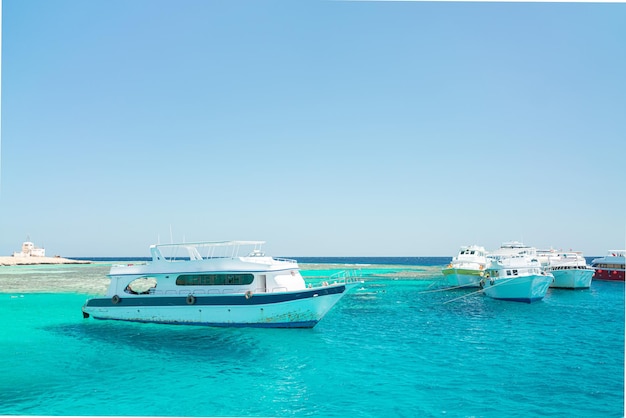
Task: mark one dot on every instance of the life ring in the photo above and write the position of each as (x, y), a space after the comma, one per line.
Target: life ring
(115, 299)
(191, 299)
(249, 294)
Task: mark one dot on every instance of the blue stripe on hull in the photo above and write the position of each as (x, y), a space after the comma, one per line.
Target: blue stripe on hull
(570, 287)
(302, 324)
(525, 300)
(217, 300)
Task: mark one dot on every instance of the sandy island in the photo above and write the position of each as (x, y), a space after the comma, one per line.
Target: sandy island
(23, 261)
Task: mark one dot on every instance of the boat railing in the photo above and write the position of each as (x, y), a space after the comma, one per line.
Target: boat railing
(139, 263)
(205, 250)
(345, 276)
(286, 260)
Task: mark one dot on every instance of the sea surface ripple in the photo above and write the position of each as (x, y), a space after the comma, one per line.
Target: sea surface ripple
(397, 345)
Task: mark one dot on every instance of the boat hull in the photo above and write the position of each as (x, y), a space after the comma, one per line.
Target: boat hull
(462, 277)
(572, 278)
(527, 289)
(610, 267)
(609, 275)
(301, 309)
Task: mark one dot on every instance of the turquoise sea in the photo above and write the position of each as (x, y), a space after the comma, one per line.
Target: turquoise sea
(399, 345)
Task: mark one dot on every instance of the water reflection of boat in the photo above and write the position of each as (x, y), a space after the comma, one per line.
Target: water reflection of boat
(220, 288)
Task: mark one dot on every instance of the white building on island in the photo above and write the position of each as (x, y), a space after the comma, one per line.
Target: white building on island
(29, 250)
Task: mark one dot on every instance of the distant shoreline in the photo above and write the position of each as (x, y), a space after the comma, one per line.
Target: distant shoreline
(32, 261)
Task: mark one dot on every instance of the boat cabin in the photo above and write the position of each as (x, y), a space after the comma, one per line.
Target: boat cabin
(209, 269)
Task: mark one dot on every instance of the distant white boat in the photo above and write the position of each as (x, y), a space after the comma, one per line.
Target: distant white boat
(569, 268)
(514, 273)
(220, 288)
(514, 248)
(29, 250)
(467, 268)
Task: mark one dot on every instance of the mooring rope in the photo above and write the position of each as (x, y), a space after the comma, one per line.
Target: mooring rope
(447, 288)
(463, 297)
(478, 291)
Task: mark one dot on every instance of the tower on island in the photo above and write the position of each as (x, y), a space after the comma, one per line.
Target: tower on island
(29, 250)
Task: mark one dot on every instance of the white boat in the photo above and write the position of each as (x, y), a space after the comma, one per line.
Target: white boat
(219, 288)
(514, 273)
(514, 248)
(569, 268)
(466, 269)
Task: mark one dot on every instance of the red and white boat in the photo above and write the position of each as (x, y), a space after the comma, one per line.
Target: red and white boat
(610, 267)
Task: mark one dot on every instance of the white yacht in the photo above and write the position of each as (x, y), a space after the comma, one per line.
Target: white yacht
(514, 248)
(514, 273)
(218, 288)
(467, 268)
(517, 278)
(569, 268)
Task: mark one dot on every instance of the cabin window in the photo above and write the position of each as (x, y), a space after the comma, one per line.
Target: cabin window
(214, 279)
(610, 266)
(508, 272)
(514, 272)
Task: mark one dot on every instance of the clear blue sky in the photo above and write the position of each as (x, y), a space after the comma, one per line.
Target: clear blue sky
(325, 128)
